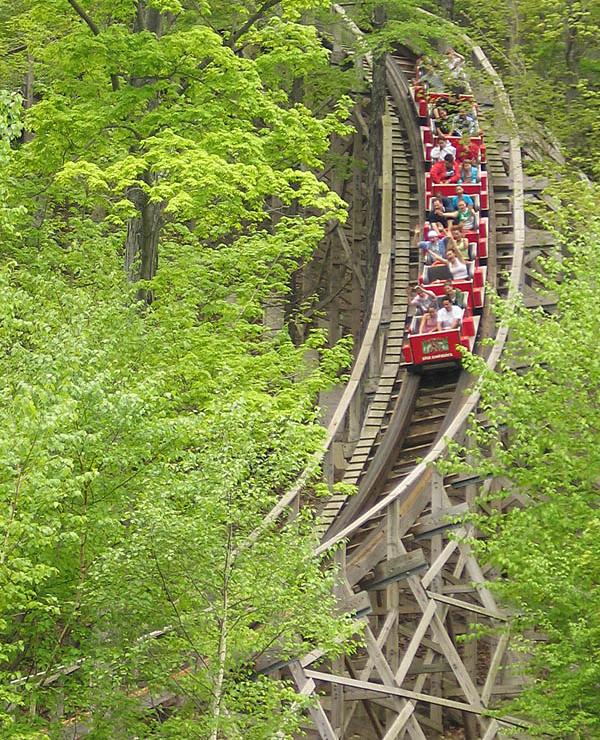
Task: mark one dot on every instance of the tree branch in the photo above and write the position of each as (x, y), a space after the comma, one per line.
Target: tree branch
(17, 49)
(84, 17)
(267, 5)
(95, 30)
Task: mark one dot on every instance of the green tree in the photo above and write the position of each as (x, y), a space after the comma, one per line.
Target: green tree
(543, 439)
(142, 442)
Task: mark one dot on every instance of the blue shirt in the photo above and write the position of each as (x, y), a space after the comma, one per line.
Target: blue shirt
(439, 248)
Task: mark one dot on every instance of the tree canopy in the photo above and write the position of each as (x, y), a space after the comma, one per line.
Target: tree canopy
(160, 187)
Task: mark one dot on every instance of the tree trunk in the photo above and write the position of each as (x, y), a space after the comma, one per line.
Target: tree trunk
(141, 244)
(572, 51)
(28, 99)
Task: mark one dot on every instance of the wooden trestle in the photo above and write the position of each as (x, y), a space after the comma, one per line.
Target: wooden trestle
(413, 582)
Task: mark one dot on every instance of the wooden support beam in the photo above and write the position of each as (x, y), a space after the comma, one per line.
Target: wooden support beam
(306, 686)
(396, 569)
(415, 643)
(434, 523)
(390, 690)
(358, 603)
(460, 604)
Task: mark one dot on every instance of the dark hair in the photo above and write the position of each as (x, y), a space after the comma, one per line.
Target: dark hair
(449, 158)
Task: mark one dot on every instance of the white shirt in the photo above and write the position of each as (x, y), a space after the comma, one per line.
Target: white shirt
(445, 317)
(459, 270)
(439, 152)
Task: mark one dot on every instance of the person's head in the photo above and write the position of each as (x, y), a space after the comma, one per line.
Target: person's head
(448, 288)
(418, 289)
(436, 203)
(431, 310)
(450, 254)
(467, 164)
(460, 191)
(442, 112)
(462, 206)
(447, 303)
(449, 159)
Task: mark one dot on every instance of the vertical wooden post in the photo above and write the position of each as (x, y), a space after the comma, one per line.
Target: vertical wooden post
(437, 498)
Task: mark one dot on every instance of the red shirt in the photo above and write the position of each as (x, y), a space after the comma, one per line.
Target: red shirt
(472, 151)
(440, 174)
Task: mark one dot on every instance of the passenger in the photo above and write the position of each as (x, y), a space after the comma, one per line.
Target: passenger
(461, 195)
(420, 70)
(445, 171)
(455, 62)
(457, 297)
(458, 241)
(470, 149)
(466, 216)
(456, 264)
(464, 123)
(438, 215)
(446, 202)
(468, 172)
(433, 248)
(422, 299)
(441, 148)
(449, 316)
(441, 119)
(429, 321)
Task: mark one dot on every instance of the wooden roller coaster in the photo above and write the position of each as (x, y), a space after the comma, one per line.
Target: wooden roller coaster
(402, 568)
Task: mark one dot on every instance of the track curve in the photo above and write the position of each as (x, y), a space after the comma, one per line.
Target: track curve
(398, 562)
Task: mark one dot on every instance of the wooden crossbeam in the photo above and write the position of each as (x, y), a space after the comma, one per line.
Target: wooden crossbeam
(427, 525)
(396, 569)
(390, 690)
(466, 605)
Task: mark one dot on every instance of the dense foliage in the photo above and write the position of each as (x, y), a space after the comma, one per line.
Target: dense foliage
(547, 54)
(543, 440)
(162, 189)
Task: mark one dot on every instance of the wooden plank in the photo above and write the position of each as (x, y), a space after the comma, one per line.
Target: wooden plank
(433, 522)
(439, 563)
(495, 664)
(395, 691)
(415, 642)
(306, 686)
(359, 603)
(396, 569)
(460, 604)
(387, 677)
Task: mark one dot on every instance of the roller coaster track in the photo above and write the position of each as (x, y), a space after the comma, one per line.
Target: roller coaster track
(413, 584)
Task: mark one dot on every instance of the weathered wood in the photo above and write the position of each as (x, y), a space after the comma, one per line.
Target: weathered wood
(441, 520)
(306, 686)
(415, 642)
(358, 603)
(460, 604)
(397, 569)
(474, 708)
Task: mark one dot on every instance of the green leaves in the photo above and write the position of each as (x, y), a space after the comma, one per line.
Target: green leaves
(543, 440)
(139, 447)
